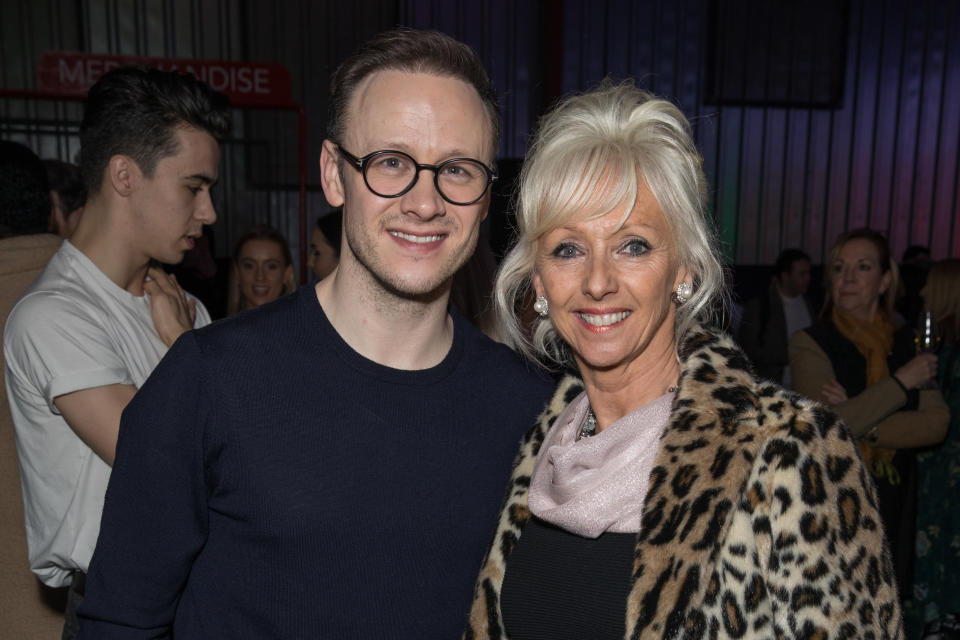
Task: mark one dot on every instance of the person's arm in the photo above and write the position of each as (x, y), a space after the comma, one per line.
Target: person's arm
(818, 534)
(155, 514)
(94, 415)
(924, 427)
(878, 411)
(811, 369)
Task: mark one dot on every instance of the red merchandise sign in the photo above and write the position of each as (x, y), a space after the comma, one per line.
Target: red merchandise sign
(246, 83)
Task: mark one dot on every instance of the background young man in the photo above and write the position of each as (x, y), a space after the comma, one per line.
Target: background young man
(92, 327)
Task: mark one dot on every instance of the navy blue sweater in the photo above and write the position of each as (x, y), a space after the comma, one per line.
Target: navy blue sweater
(272, 483)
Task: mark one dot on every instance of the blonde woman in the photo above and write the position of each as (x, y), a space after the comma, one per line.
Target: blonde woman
(937, 583)
(262, 269)
(857, 361)
(666, 492)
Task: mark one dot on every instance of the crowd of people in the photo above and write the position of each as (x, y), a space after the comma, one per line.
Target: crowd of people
(330, 460)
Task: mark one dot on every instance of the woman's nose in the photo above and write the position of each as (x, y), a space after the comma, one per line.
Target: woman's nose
(600, 279)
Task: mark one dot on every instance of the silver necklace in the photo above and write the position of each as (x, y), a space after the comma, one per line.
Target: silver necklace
(589, 426)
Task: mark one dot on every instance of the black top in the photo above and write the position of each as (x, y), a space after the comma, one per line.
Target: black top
(560, 585)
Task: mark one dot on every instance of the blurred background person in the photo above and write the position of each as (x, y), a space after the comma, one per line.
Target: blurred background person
(472, 290)
(68, 195)
(648, 498)
(30, 609)
(936, 589)
(914, 267)
(772, 317)
(855, 360)
(325, 244)
(262, 269)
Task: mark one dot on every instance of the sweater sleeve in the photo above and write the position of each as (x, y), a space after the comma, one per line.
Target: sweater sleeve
(811, 369)
(155, 515)
(880, 405)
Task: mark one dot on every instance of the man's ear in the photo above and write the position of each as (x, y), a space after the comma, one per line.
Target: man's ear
(330, 178)
(124, 174)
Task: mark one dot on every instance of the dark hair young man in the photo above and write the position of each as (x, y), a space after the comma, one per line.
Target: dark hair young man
(92, 327)
(772, 317)
(328, 465)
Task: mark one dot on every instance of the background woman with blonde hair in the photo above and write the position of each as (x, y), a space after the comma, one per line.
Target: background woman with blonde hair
(262, 269)
(855, 360)
(936, 579)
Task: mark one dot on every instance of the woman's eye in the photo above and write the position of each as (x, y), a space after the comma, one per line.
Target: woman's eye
(635, 247)
(565, 250)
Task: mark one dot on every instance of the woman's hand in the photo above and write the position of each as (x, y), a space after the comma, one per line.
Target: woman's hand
(918, 371)
(834, 392)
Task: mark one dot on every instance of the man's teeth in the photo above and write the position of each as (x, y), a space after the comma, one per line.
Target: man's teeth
(605, 319)
(417, 239)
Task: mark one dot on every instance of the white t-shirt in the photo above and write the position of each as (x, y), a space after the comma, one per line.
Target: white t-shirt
(73, 329)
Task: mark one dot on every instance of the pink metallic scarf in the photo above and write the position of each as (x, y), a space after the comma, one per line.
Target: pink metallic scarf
(598, 483)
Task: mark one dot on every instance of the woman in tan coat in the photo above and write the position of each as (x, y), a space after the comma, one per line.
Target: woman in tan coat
(868, 371)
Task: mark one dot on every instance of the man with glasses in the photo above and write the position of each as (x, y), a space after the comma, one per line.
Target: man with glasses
(328, 465)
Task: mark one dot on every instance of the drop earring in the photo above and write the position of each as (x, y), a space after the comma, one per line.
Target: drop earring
(683, 293)
(541, 306)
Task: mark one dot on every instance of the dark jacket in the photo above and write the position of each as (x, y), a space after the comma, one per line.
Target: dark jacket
(763, 334)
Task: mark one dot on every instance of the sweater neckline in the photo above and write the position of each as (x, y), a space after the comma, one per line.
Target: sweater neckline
(319, 321)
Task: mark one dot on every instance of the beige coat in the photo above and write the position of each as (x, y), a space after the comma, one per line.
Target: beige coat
(30, 609)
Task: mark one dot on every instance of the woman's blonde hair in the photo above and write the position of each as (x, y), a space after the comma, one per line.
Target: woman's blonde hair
(941, 295)
(592, 153)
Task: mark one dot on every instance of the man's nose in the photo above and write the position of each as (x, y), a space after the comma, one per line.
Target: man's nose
(205, 211)
(423, 200)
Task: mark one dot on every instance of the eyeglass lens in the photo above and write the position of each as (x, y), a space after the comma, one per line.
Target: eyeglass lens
(460, 181)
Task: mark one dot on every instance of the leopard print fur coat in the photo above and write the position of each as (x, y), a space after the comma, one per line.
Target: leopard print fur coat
(760, 520)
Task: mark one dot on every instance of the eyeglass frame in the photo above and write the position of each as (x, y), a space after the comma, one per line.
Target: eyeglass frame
(360, 164)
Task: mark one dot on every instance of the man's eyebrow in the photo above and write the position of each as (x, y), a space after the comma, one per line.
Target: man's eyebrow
(447, 153)
(202, 177)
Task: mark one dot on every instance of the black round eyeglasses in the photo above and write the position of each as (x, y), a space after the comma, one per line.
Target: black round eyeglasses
(390, 174)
